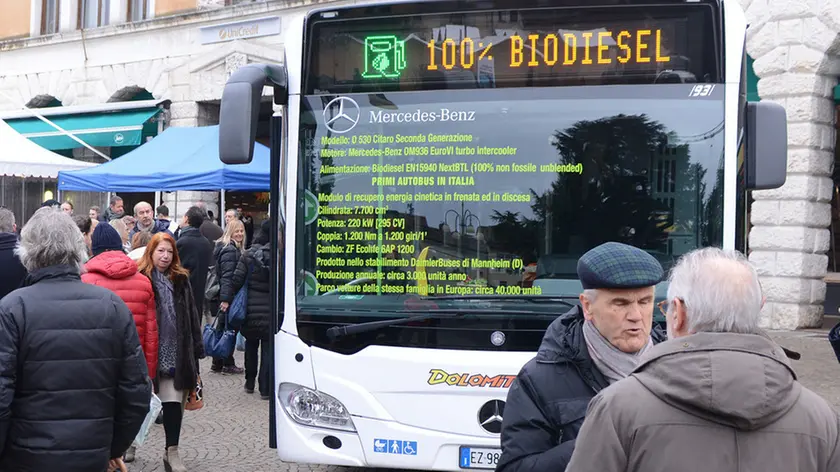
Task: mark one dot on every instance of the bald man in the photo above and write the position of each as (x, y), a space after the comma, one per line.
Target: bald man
(145, 221)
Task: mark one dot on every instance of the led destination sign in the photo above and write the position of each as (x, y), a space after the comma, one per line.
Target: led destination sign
(534, 50)
(514, 48)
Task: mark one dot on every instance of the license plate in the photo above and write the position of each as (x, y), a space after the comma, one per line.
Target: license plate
(479, 457)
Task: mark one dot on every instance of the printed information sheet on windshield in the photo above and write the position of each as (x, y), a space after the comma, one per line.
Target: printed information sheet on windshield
(461, 193)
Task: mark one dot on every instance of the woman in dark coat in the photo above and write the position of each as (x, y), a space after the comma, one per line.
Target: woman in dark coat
(227, 253)
(256, 262)
(180, 342)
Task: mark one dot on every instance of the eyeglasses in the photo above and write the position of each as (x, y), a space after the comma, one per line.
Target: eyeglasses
(663, 305)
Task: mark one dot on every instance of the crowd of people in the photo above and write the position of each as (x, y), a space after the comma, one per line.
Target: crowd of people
(98, 311)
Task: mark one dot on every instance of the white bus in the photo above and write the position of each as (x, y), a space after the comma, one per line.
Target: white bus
(447, 162)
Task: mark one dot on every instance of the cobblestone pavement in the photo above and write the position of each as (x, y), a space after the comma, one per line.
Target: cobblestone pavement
(231, 432)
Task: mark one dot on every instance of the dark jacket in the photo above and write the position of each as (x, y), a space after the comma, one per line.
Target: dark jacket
(227, 258)
(196, 254)
(248, 222)
(190, 342)
(211, 231)
(256, 260)
(158, 226)
(73, 379)
(108, 215)
(547, 402)
(12, 272)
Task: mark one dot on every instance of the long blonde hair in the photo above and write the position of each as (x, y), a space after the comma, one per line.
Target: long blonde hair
(121, 228)
(231, 228)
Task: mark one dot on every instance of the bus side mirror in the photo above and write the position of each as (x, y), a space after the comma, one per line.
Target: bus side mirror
(240, 109)
(766, 136)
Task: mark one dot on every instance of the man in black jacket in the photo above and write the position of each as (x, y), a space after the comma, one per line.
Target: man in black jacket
(196, 253)
(12, 272)
(74, 387)
(582, 352)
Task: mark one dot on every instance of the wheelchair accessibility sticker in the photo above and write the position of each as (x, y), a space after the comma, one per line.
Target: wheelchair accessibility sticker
(394, 446)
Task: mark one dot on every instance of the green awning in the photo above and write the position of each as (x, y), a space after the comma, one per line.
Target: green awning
(752, 82)
(113, 129)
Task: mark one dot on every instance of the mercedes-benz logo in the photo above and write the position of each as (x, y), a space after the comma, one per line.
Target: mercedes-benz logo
(497, 338)
(490, 416)
(341, 114)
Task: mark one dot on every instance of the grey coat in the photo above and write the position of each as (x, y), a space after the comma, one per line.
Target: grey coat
(709, 401)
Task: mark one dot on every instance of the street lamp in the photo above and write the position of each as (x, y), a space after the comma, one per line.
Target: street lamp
(463, 221)
(463, 227)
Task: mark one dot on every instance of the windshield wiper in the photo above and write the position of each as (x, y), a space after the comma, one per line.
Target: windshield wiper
(340, 331)
(563, 300)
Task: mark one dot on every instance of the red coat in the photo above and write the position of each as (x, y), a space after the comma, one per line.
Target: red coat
(118, 273)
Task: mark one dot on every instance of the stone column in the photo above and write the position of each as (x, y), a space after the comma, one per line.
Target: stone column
(789, 238)
(188, 114)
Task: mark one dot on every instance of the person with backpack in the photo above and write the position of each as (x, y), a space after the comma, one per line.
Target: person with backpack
(254, 269)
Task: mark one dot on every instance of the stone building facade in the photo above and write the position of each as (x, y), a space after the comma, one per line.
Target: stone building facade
(182, 51)
(795, 47)
(167, 48)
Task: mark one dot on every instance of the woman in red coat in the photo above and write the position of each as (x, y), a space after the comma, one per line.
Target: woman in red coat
(111, 268)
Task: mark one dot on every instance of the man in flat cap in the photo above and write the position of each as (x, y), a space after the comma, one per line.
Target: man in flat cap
(592, 346)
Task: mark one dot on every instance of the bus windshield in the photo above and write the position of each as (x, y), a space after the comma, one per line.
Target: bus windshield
(498, 192)
(454, 160)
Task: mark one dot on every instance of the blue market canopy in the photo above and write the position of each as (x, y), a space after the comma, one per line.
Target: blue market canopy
(177, 159)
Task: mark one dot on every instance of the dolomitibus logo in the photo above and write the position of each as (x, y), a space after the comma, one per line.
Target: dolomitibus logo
(440, 376)
(341, 115)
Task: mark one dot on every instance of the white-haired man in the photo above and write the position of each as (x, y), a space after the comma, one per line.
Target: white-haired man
(719, 395)
(74, 386)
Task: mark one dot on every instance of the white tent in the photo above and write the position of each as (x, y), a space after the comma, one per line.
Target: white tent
(20, 157)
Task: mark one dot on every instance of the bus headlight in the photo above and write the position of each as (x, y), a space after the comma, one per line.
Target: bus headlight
(313, 408)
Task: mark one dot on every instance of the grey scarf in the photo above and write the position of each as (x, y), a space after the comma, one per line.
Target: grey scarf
(611, 361)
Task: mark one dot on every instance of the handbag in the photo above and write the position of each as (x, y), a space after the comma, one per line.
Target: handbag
(240, 342)
(195, 399)
(154, 409)
(238, 308)
(219, 341)
(212, 291)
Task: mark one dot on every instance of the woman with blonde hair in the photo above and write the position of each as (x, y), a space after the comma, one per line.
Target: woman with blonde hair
(122, 229)
(180, 343)
(227, 253)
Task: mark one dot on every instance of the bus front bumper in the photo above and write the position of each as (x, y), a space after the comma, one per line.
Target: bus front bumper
(378, 443)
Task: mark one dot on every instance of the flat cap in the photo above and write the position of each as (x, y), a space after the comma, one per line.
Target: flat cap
(617, 265)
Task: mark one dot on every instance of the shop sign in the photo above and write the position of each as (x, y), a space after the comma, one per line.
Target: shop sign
(267, 26)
